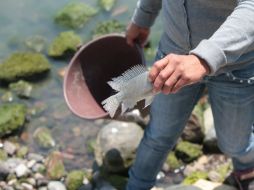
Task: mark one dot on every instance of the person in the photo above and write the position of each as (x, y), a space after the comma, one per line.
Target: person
(204, 44)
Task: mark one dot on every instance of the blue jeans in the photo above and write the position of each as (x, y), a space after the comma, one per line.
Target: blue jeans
(232, 101)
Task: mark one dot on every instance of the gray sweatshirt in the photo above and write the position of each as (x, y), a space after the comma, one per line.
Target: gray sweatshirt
(219, 31)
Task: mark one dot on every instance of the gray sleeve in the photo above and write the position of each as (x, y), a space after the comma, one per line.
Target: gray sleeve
(231, 40)
(146, 12)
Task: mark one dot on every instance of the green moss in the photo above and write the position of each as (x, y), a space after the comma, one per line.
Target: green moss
(12, 117)
(173, 162)
(194, 177)
(75, 179)
(23, 64)
(22, 152)
(224, 171)
(107, 5)
(44, 138)
(65, 41)
(22, 88)
(111, 26)
(75, 15)
(188, 151)
(3, 155)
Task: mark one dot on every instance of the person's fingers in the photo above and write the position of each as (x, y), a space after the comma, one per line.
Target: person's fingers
(157, 68)
(180, 84)
(170, 83)
(162, 77)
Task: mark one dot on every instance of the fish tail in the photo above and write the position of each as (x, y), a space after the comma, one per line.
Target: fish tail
(111, 104)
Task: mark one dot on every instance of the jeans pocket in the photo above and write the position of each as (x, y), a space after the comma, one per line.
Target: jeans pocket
(244, 75)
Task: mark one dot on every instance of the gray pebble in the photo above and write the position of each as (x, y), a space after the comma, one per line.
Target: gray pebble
(56, 185)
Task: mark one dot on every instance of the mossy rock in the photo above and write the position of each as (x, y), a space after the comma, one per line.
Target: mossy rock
(65, 41)
(12, 117)
(23, 65)
(187, 151)
(74, 179)
(75, 15)
(173, 162)
(194, 177)
(107, 5)
(107, 27)
(43, 138)
(22, 88)
(22, 152)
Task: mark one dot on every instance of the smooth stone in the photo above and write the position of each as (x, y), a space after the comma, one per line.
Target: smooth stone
(27, 186)
(22, 170)
(9, 147)
(37, 157)
(56, 185)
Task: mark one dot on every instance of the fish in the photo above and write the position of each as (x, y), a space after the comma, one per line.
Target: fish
(131, 87)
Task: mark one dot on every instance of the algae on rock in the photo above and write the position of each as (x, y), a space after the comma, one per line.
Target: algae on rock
(75, 15)
(106, 27)
(43, 138)
(22, 88)
(12, 117)
(107, 5)
(65, 41)
(75, 179)
(22, 65)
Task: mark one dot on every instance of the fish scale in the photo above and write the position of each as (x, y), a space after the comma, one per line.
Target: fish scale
(132, 86)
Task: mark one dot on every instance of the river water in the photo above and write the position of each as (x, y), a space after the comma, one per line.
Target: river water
(21, 19)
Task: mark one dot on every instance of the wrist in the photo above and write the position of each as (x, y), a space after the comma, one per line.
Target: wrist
(204, 64)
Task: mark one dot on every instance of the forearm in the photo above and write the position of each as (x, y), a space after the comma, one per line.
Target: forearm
(231, 40)
(146, 12)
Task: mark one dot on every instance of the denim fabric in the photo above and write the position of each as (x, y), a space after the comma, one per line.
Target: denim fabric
(219, 31)
(232, 100)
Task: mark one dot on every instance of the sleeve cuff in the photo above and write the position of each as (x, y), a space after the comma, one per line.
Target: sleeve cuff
(212, 54)
(143, 18)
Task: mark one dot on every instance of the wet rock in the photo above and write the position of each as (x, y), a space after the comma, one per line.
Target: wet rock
(107, 5)
(75, 15)
(4, 170)
(43, 138)
(31, 163)
(116, 145)
(106, 27)
(22, 170)
(55, 166)
(22, 88)
(56, 185)
(42, 182)
(7, 97)
(187, 151)
(36, 43)
(65, 41)
(31, 181)
(12, 117)
(208, 185)
(22, 65)
(210, 141)
(40, 168)
(27, 186)
(74, 179)
(34, 156)
(3, 155)
(10, 148)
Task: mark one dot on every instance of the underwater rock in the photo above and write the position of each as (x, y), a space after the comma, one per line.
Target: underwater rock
(56, 185)
(7, 97)
(3, 155)
(43, 138)
(111, 148)
(75, 15)
(65, 41)
(107, 5)
(187, 151)
(22, 65)
(36, 43)
(22, 152)
(12, 117)
(55, 166)
(74, 179)
(22, 88)
(106, 27)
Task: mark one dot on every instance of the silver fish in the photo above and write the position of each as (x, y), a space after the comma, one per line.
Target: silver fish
(132, 86)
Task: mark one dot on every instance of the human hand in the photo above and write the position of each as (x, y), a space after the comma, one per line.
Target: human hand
(174, 71)
(134, 33)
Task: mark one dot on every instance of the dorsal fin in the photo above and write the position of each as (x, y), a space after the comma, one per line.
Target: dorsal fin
(118, 82)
